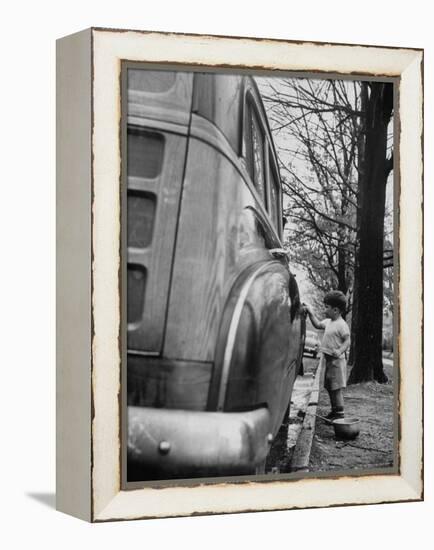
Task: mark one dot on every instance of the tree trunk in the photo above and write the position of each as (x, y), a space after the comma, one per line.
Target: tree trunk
(342, 270)
(368, 363)
(360, 186)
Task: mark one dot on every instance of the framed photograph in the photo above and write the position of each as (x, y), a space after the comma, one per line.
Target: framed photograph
(239, 267)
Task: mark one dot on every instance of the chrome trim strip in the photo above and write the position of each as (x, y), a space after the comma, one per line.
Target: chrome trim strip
(158, 125)
(206, 131)
(230, 341)
(203, 129)
(143, 353)
(140, 256)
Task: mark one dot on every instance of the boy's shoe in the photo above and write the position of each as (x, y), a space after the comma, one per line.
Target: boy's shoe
(334, 415)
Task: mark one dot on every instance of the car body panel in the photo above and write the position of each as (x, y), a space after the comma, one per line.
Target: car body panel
(215, 326)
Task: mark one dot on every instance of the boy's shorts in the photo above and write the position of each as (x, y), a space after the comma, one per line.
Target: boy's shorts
(335, 372)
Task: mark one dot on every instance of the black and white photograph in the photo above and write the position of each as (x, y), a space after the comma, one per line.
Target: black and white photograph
(258, 288)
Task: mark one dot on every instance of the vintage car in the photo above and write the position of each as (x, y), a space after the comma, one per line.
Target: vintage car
(311, 343)
(214, 323)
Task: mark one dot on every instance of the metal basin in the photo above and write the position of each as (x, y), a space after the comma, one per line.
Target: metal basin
(346, 428)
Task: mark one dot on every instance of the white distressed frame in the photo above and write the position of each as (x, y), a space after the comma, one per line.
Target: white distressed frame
(106, 501)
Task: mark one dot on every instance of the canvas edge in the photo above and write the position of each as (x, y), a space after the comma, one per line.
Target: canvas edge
(73, 274)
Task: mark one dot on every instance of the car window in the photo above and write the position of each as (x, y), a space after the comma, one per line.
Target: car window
(255, 141)
(274, 198)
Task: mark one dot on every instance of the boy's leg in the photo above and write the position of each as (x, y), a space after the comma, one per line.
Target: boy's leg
(337, 401)
(335, 381)
(330, 392)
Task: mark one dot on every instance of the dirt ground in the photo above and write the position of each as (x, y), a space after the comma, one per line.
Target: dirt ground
(373, 404)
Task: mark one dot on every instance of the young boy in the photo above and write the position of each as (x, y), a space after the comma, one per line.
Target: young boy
(335, 342)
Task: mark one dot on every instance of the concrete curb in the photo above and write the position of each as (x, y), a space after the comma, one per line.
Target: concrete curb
(301, 456)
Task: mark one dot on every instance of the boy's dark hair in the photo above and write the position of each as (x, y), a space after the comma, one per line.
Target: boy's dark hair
(336, 298)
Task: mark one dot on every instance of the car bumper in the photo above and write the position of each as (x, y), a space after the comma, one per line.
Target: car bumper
(188, 441)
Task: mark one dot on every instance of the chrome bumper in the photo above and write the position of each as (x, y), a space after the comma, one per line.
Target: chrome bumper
(179, 440)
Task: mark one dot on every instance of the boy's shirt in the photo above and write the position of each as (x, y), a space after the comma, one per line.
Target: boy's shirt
(334, 335)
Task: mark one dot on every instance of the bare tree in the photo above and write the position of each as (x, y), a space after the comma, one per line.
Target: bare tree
(332, 141)
(316, 124)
